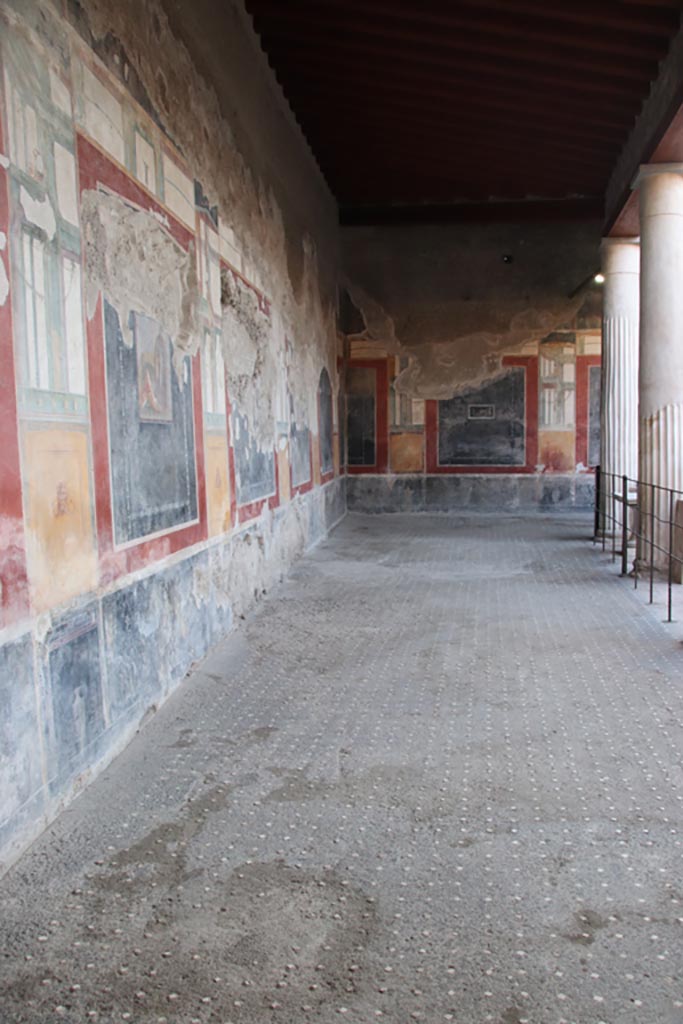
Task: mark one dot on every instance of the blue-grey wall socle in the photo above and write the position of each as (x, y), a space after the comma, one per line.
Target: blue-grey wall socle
(475, 492)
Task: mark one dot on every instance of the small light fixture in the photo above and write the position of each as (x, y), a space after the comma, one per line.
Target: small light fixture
(599, 278)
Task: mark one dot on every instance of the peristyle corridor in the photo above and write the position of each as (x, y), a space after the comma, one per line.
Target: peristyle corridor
(436, 776)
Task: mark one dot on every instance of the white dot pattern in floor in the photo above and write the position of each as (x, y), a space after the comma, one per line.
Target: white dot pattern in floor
(436, 777)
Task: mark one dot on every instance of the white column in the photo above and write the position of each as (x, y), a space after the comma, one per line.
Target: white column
(661, 332)
(619, 404)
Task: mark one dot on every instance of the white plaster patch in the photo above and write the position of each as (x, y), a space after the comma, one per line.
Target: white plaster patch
(229, 247)
(75, 342)
(178, 192)
(67, 189)
(4, 161)
(250, 352)
(215, 285)
(145, 163)
(60, 93)
(140, 268)
(161, 217)
(103, 115)
(39, 212)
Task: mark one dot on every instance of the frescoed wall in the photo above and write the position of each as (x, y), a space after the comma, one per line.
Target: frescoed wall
(168, 436)
(487, 328)
(526, 436)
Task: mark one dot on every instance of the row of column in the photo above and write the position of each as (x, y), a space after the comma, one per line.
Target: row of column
(642, 383)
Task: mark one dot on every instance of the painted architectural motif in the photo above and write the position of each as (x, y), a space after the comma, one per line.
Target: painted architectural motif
(123, 449)
(538, 414)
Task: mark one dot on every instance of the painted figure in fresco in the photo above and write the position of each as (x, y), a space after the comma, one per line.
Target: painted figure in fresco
(62, 504)
(153, 380)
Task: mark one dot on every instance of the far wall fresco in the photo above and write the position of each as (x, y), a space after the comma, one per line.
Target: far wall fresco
(538, 414)
(485, 427)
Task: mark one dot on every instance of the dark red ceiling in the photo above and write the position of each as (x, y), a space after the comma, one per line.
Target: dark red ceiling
(441, 102)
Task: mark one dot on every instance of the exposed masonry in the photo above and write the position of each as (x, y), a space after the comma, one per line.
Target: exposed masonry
(251, 354)
(454, 299)
(471, 356)
(190, 111)
(133, 259)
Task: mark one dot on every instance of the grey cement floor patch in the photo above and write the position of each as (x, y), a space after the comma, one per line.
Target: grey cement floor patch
(437, 776)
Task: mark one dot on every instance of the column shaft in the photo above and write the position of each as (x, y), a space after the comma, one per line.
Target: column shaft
(661, 341)
(619, 406)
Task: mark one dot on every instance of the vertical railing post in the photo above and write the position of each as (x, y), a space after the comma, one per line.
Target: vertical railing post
(624, 526)
(671, 548)
(652, 546)
(604, 515)
(596, 521)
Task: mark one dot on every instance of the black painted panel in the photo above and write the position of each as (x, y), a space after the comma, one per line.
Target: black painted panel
(326, 427)
(154, 630)
(594, 415)
(75, 687)
(254, 468)
(300, 454)
(341, 420)
(151, 431)
(361, 383)
(20, 762)
(485, 427)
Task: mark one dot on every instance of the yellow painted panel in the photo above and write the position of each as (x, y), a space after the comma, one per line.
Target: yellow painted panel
(336, 453)
(315, 451)
(217, 484)
(557, 450)
(62, 557)
(283, 474)
(406, 453)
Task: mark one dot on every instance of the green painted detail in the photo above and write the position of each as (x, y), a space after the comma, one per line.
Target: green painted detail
(52, 403)
(215, 420)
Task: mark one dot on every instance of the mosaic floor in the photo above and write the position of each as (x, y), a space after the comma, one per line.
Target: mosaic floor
(436, 777)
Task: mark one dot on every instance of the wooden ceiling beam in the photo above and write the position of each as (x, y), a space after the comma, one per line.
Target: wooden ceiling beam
(544, 30)
(467, 152)
(317, 104)
(325, 30)
(313, 76)
(634, 18)
(441, 134)
(397, 61)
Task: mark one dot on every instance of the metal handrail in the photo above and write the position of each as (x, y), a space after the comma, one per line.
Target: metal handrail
(618, 495)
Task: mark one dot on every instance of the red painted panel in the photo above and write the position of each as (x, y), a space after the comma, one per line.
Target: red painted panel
(381, 368)
(530, 364)
(583, 365)
(95, 169)
(231, 460)
(14, 600)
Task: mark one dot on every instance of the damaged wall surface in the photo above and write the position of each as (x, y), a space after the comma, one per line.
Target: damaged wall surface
(475, 365)
(168, 269)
